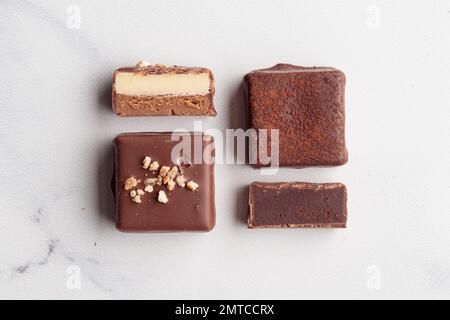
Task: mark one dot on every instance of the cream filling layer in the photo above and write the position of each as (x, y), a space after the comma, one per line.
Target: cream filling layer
(135, 84)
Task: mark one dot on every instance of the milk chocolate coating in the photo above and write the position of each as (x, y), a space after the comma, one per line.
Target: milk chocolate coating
(186, 210)
(307, 106)
(297, 205)
(164, 105)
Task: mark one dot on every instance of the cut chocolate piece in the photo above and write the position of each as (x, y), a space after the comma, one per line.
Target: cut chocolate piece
(306, 105)
(147, 201)
(297, 205)
(147, 90)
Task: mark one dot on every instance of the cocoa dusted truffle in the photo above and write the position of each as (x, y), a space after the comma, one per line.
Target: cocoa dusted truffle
(306, 105)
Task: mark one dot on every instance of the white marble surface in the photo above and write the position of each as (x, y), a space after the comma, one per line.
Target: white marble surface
(56, 131)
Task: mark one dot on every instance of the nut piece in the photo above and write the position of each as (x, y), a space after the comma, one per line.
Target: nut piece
(150, 181)
(159, 180)
(148, 189)
(163, 171)
(173, 172)
(142, 64)
(136, 199)
(130, 183)
(146, 162)
(140, 192)
(153, 166)
(133, 193)
(171, 185)
(181, 181)
(191, 185)
(162, 197)
(160, 65)
(166, 179)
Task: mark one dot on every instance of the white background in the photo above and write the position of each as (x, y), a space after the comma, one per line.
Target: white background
(56, 132)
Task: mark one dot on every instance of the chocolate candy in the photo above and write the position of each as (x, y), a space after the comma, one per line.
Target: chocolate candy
(159, 188)
(306, 105)
(297, 205)
(147, 90)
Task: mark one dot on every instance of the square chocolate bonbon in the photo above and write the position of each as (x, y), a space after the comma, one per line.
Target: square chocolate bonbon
(159, 190)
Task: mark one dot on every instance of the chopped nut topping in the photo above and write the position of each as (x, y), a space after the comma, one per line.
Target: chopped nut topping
(146, 162)
(173, 172)
(150, 181)
(142, 64)
(181, 181)
(136, 199)
(171, 185)
(163, 171)
(153, 166)
(162, 197)
(166, 179)
(191, 185)
(160, 65)
(130, 183)
(170, 176)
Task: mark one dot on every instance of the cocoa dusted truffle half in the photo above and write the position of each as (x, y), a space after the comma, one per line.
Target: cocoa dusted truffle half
(297, 205)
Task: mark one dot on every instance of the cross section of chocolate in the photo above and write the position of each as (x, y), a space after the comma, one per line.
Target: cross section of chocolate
(297, 205)
(158, 90)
